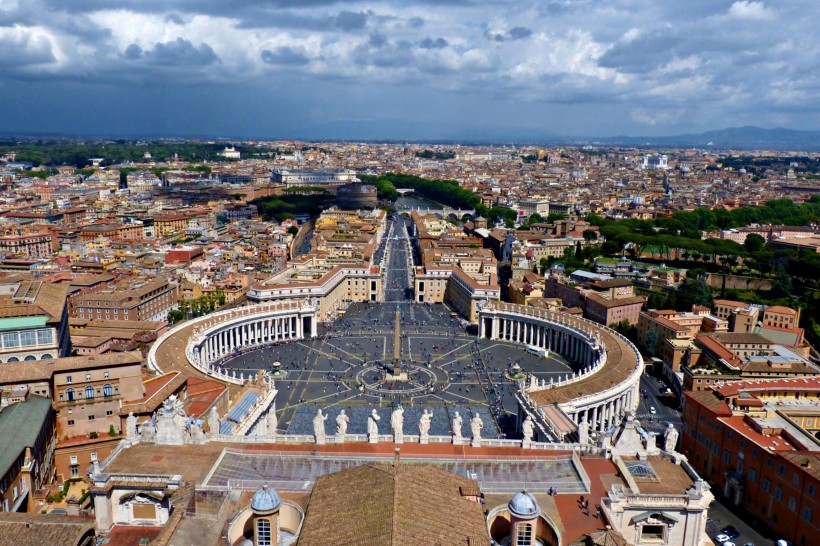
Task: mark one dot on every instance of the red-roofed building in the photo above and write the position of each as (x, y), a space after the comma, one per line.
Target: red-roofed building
(746, 438)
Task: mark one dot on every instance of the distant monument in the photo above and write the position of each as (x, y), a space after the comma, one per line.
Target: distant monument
(396, 373)
(213, 421)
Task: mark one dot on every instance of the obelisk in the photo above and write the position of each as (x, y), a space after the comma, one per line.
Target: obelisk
(397, 346)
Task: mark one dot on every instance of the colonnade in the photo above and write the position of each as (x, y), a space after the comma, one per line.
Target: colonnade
(255, 331)
(580, 342)
(575, 346)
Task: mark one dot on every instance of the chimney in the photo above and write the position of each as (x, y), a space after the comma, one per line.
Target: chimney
(396, 458)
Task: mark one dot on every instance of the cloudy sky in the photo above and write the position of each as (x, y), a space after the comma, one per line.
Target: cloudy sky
(439, 69)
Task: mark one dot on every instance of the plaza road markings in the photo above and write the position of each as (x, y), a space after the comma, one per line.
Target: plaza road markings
(346, 352)
(440, 357)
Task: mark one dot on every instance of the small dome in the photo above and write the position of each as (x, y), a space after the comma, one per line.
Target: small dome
(524, 506)
(265, 500)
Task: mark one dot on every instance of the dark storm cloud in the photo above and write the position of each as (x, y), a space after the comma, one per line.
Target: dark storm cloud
(284, 56)
(515, 33)
(429, 43)
(174, 18)
(181, 52)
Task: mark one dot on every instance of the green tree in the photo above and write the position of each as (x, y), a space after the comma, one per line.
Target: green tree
(544, 263)
(754, 242)
(293, 230)
(692, 292)
(590, 235)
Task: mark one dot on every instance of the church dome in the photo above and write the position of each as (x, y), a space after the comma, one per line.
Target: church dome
(265, 501)
(524, 506)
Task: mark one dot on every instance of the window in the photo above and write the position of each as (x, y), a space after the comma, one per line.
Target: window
(752, 475)
(105, 375)
(69, 394)
(109, 412)
(792, 504)
(781, 470)
(810, 490)
(68, 379)
(11, 340)
(806, 514)
(93, 456)
(796, 479)
(75, 471)
(778, 494)
(766, 484)
(88, 377)
(73, 459)
(524, 537)
(89, 393)
(107, 389)
(650, 532)
(71, 422)
(726, 456)
(91, 417)
(28, 339)
(770, 463)
(263, 535)
(43, 337)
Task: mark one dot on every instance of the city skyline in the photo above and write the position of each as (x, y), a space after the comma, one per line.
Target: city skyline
(406, 70)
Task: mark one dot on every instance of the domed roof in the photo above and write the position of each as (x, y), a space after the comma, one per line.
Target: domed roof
(265, 500)
(524, 506)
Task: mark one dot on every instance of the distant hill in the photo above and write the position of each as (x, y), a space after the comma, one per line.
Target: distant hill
(748, 137)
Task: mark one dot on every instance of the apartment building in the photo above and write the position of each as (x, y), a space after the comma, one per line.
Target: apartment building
(748, 439)
(149, 300)
(605, 300)
(28, 431)
(33, 321)
(29, 241)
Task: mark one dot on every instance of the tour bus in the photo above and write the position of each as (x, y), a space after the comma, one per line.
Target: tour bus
(538, 351)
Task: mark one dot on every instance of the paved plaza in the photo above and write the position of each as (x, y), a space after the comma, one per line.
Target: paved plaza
(349, 366)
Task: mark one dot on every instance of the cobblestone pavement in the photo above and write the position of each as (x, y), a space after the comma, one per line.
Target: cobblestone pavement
(347, 367)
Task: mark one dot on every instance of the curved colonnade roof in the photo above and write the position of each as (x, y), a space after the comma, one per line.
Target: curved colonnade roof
(620, 362)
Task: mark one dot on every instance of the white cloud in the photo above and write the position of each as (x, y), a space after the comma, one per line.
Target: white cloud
(750, 11)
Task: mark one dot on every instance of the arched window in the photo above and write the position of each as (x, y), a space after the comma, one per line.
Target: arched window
(30, 357)
(14, 359)
(89, 393)
(524, 537)
(263, 535)
(46, 357)
(107, 389)
(69, 394)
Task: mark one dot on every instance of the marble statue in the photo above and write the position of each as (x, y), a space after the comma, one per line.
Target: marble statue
(262, 427)
(171, 422)
(197, 436)
(424, 426)
(670, 438)
(476, 424)
(342, 420)
(213, 421)
(131, 426)
(96, 468)
(373, 427)
(319, 426)
(148, 434)
(583, 433)
(457, 424)
(273, 421)
(397, 424)
(528, 429)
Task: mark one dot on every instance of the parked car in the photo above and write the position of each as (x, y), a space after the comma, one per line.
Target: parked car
(748, 544)
(652, 410)
(721, 538)
(731, 531)
(782, 542)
